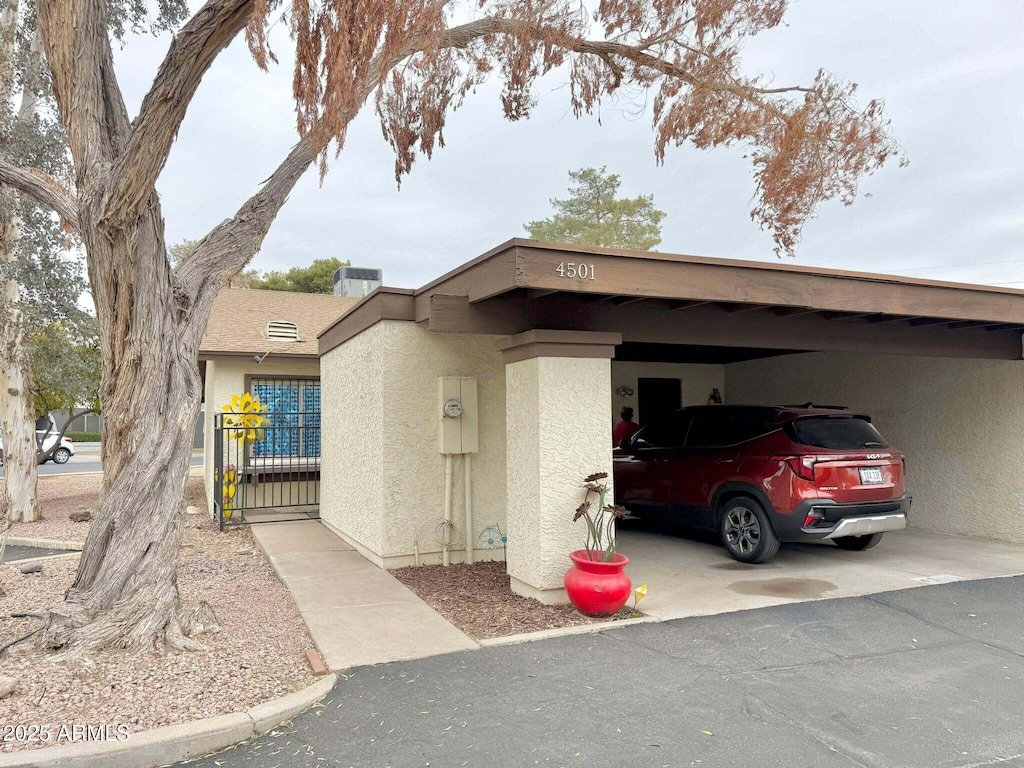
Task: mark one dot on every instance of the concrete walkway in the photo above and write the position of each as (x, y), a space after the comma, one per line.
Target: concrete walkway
(357, 613)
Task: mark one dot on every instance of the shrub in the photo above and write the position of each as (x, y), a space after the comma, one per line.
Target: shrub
(83, 437)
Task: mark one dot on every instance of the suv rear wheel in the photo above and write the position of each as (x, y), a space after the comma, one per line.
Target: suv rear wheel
(858, 543)
(747, 534)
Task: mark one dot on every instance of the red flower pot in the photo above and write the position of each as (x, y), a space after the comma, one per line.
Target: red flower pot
(595, 587)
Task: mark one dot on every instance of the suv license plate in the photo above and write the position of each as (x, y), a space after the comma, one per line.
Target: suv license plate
(871, 475)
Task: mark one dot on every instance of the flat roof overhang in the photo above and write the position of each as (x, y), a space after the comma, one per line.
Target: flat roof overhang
(659, 298)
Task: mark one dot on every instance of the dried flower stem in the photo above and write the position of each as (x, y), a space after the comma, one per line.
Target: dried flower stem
(601, 522)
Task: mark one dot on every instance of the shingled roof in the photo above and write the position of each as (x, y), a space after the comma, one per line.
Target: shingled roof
(238, 322)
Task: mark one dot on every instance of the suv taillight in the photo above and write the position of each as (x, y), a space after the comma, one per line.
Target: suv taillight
(814, 516)
(802, 466)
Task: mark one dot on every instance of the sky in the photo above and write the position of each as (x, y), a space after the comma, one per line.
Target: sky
(951, 74)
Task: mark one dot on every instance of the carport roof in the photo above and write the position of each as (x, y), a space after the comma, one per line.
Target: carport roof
(525, 284)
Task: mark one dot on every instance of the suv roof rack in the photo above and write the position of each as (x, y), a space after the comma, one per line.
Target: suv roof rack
(819, 405)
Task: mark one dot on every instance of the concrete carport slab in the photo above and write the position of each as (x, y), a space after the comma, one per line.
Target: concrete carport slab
(695, 576)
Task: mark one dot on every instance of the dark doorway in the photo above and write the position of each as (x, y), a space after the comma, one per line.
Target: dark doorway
(658, 397)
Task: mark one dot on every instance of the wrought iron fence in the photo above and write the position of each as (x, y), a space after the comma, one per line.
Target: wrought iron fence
(271, 463)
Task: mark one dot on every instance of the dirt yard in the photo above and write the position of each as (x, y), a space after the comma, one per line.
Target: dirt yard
(259, 653)
(478, 600)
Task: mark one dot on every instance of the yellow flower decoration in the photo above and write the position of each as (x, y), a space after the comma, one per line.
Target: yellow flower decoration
(243, 417)
(640, 593)
(229, 486)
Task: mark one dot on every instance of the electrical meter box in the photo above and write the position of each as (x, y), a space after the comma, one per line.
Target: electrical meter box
(457, 414)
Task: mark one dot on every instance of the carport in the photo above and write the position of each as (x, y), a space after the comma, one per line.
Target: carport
(559, 337)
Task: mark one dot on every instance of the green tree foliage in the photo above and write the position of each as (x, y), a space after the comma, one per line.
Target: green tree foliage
(65, 360)
(593, 214)
(48, 273)
(318, 277)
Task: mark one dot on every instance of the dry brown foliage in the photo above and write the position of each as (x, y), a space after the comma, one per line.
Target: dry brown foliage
(808, 143)
(416, 60)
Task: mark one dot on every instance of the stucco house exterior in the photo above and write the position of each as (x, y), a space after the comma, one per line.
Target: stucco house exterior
(548, 342)
(264, 343)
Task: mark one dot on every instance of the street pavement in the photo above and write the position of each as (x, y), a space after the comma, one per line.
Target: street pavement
(931, 677)
(15, 553)
(87, 462)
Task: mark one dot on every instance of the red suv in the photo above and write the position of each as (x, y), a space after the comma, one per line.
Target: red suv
(761, 475)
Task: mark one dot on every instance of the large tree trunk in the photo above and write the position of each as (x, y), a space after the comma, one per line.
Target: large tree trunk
(125, 593)
(17, 414)
(17, 420)
(151, 322)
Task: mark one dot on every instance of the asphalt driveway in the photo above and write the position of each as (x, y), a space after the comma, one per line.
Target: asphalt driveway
(930, 677)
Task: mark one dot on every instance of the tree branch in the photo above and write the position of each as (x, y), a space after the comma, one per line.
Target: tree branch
(233, 242)
(42, 455)
(194, 49)
(42, 188)
(91, 107)
(229, 246)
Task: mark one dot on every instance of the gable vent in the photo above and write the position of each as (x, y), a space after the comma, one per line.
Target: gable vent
(282, 330)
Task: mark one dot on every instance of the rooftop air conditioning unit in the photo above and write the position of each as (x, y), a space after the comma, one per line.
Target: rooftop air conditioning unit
(357, 281)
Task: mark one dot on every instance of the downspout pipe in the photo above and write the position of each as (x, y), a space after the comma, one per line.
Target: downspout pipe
(468, 469)
(447, 506)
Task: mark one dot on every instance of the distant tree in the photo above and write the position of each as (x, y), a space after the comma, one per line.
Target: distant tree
(318, 277)
(65, 361)
(593, 214)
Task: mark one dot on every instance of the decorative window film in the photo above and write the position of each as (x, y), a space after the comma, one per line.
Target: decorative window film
(293, 417)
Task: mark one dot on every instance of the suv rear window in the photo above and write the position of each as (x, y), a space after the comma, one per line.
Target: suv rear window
(837, 433)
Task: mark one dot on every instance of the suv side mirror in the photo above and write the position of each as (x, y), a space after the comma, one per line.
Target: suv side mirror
(626, 444)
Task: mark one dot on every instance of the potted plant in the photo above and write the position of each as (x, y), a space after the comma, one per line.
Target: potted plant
(597, 583)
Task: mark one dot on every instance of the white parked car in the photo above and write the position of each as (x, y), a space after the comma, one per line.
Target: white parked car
(62, 455)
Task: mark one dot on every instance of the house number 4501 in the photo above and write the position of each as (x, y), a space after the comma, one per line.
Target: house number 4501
(572, 269)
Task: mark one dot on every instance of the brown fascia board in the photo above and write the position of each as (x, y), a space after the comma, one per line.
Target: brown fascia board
(216, 354)
(520, 263)
(382, 303)
(529, 264)
(669, 276)
(717, 261)
(488, 275)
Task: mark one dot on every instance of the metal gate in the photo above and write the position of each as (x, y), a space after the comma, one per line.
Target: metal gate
(267, 453)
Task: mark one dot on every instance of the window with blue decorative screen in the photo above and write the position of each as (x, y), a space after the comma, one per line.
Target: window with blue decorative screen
(293, 417)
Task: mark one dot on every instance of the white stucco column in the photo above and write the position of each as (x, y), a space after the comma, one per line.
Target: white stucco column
(557, 401)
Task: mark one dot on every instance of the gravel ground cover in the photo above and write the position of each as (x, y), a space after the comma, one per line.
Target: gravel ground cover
(478, 600)
(259, 653)
(59, 497)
